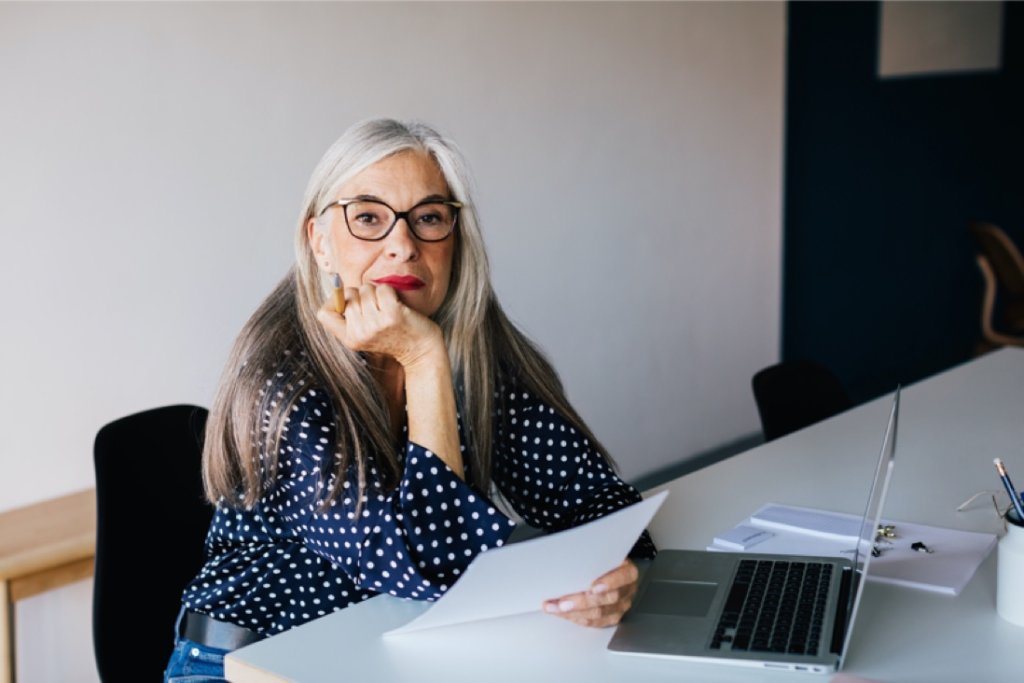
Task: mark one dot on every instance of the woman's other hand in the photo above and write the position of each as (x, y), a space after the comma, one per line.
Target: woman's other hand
(377, 322)
(609, 597)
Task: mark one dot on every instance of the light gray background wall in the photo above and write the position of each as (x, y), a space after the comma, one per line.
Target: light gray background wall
(628, 164)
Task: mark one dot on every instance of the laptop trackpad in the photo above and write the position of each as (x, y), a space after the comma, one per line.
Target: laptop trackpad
(678, 598)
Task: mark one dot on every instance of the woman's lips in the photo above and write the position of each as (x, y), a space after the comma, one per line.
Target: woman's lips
(402, 283)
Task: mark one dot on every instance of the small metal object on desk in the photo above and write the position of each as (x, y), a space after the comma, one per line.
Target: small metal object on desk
(886, 531)
(883, 539)
(920, 547)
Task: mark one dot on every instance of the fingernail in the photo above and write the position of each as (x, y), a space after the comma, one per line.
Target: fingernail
(566, 605)
(599, 588)
(551, 607)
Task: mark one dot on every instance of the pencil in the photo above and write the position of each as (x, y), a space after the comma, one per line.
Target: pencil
(339, 295)
(1014, 496)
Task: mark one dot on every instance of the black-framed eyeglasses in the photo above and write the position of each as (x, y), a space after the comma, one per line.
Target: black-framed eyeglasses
(431, 220)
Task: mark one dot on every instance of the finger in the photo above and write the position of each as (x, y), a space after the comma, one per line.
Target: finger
(582, 602)
(332, 322)
(610, 588)
(597, 609)
(595, 621)
(602, 621)
(611, 596)
(626, 573)
(608, 596)
(604, 615)
(353, 301)
(567, 603)
(387, 298)
(368, 299)
(606, 589)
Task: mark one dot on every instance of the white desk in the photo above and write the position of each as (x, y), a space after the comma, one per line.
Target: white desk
(951, 426)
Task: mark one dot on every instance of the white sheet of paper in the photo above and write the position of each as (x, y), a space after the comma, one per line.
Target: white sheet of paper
(808, 521)
(518, 578)
(742, 537)
(805, 531)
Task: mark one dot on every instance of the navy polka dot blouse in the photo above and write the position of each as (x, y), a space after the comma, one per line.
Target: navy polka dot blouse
(286, 561)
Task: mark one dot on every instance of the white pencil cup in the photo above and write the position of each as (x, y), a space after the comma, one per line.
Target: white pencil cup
(1010, 572)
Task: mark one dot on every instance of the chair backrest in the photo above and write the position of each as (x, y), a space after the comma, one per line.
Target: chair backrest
(794, 394)
(1002, 266)
(1002, 254)
(151, 526)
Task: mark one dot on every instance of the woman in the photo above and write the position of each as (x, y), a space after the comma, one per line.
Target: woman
(355, 453)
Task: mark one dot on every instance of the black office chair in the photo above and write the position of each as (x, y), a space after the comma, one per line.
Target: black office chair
(794, 394)
(151, 525)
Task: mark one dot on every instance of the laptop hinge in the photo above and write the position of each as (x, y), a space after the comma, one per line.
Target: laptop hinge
(839, 626)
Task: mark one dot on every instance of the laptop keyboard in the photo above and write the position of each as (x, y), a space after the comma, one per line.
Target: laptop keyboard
(775, 606)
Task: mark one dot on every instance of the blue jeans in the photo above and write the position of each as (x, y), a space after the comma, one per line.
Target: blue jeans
(193, 663)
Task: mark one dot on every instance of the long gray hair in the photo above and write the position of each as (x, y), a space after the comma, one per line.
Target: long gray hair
(282, 351)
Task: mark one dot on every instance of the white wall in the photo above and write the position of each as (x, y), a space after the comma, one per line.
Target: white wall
(152, 157)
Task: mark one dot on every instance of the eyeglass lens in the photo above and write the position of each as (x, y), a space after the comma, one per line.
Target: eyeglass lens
(371, 220)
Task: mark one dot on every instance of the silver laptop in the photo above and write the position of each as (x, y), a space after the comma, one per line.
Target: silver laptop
(792, 612)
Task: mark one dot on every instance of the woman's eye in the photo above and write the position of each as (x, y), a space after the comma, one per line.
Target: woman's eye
(429, 219)
(367, 218)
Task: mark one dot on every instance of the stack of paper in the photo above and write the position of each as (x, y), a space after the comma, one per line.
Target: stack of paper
(955, 554)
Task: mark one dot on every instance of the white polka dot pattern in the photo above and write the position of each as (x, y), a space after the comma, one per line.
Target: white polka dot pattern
(286, 562)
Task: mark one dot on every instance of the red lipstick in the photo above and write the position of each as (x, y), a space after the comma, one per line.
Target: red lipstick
(402, 283)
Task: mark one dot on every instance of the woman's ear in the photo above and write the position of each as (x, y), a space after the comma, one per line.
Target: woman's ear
(318, 244)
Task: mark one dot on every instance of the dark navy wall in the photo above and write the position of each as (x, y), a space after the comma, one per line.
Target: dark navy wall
(882, 178)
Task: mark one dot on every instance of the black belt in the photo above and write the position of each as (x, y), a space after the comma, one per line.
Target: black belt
(210, 632)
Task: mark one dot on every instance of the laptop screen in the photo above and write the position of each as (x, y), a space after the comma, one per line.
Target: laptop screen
(872, 517)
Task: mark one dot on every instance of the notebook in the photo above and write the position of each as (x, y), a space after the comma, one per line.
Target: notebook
(793, 612)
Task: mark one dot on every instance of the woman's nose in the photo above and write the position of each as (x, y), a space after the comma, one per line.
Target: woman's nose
(400, 244)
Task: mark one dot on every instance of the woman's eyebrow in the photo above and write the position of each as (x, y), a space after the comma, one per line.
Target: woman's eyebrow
(433, 198)
(428, 198)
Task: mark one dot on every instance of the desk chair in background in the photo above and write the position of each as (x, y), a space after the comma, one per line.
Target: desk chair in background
(1002, 267)
(151, 525)
(794, 394)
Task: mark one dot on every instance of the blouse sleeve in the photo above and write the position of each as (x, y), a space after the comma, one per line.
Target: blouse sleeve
(411, 542)
(550, 473)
